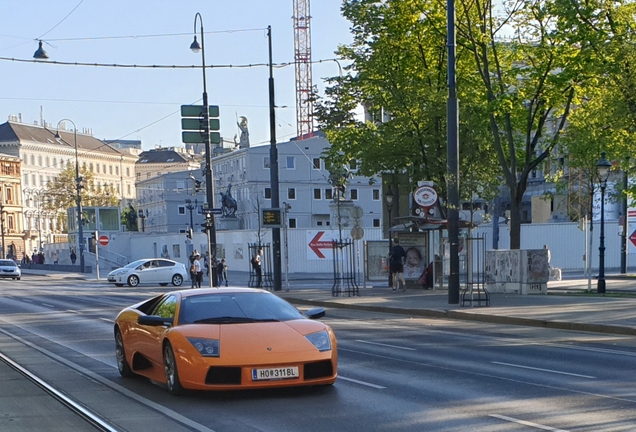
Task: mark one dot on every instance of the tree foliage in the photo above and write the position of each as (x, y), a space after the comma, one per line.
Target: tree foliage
(61, 193)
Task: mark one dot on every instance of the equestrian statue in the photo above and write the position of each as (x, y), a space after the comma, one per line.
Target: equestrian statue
(228, 203)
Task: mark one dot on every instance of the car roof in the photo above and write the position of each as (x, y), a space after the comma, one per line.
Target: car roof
(206, 291)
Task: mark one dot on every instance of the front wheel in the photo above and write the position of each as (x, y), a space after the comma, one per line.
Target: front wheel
(120, 354)
(177, 280)
(172, 374)
(133, 280)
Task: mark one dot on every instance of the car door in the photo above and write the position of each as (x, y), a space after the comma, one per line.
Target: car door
(166, 270)
(150, 272)
(150, 344)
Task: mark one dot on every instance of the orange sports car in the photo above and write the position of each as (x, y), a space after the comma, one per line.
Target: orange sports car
(225, 339)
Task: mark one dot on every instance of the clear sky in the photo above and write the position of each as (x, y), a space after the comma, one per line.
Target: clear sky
(143, 103)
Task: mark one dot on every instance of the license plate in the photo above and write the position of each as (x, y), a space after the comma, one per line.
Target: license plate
(275, 373)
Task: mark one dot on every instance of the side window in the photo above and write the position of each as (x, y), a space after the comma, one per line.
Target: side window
(166, 308)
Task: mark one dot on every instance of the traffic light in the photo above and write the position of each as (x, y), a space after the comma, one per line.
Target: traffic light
(189, 233)
(197, 186)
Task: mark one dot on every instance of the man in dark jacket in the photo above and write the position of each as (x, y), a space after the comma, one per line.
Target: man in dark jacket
(396, 257)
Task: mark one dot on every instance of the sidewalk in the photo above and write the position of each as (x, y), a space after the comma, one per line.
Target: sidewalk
(568, 305)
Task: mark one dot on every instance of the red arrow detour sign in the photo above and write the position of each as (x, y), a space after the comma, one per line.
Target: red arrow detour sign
(315, 244)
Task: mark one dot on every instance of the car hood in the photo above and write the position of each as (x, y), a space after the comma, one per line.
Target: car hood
(250, 342)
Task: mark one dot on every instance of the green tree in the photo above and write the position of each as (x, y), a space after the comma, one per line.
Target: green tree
(398, 73)
(61, 193)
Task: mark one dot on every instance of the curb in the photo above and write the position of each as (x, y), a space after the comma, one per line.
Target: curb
(467, 316)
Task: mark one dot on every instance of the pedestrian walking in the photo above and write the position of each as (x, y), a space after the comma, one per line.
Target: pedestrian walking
(397, 257)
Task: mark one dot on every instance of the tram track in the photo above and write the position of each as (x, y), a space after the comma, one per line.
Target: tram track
(90, 417)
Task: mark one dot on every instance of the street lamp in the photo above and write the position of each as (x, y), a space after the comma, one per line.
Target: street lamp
(142, 216)
(602, 172)
(388, 198)
(209, 188)
(78, 187)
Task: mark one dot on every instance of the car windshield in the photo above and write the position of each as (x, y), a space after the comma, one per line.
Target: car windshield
(236, 308)
(135, 264)
(6, 262)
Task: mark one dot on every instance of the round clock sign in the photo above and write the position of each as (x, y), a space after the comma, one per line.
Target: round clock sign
(425, 196)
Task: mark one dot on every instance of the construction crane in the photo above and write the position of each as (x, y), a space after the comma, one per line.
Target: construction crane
(302, 62)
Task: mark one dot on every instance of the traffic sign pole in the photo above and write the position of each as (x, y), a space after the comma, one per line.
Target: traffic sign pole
(97, 253)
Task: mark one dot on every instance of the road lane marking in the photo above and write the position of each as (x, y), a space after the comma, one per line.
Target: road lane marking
(48, 305)
(340, 377)
(527, 423)
(544, 370)
(385, 345)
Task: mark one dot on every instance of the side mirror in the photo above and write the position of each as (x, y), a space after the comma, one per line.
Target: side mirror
(315, 313)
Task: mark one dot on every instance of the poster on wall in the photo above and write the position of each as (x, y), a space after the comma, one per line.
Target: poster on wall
(415, 261)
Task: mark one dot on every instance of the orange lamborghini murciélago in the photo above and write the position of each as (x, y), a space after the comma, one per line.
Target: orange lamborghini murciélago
(225, 339)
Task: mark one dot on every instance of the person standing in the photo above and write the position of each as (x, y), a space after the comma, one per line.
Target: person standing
(221, 270)
(256, 264)
(73, 257)
(197, 271)
(397, 256)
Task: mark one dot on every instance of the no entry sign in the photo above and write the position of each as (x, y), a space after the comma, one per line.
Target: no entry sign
(103, 240)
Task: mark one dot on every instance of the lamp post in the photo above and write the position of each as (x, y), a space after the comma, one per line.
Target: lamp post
(78, 187)
(388, 197)
(624, 224)
(191, 206)
(209, 187)
(602, 171)
(142, 216)
(273, 168)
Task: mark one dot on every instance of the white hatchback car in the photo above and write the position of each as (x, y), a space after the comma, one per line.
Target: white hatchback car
(150, 271)
(9, 269)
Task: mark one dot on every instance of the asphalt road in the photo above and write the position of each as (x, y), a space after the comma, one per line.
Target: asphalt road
(396, 372)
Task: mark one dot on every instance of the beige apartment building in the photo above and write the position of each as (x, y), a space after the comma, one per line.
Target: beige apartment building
(43, 156)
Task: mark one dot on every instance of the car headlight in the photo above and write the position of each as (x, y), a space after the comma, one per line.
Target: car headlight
(320, 340)
(206, 347)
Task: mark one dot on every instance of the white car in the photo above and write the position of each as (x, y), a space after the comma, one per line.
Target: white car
(150, 271)
(9, 269)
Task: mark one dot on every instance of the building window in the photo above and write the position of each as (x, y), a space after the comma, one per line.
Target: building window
(110, 169)
(147, 175)
(10, 223)
(353, 165)
(376, 223)
(116, 170)
(376, 194)
(317, 194)
(291, 162)
(127, 171)
(97, 168)
(292, 223)
(268, 193)
(266, 162)
(329, 194)
(128, 189)
(354, 194)
(138, 176)
(182, 210)
(291, 193)
(316, 163)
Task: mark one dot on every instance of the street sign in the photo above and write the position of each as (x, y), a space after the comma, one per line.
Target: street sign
(197, 111)
(199, 137)
(103, 240)
(197, 124)
(272, 218)
(212, 211)
(632, 238)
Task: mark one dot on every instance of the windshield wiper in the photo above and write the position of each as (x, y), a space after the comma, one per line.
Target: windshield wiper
(232, 320)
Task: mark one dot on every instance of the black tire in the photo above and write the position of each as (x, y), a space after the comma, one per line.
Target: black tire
(172, 373)
(177, 280)
(163, 284)
(133, 280)
(119, 285)
(120, 354)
